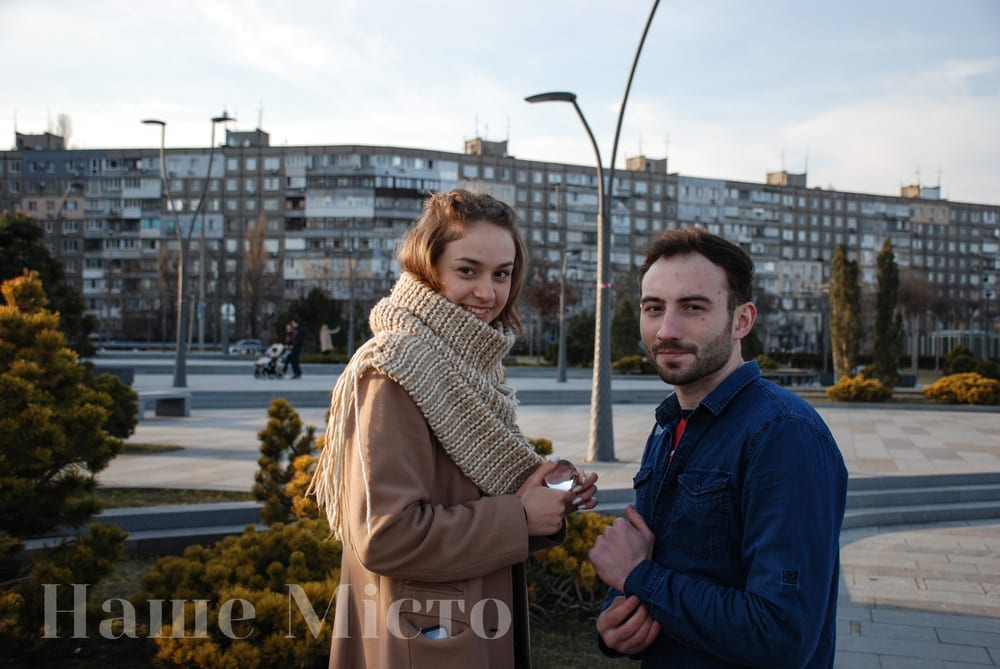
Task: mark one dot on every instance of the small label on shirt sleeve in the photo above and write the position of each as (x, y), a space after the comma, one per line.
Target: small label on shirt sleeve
(790, 577)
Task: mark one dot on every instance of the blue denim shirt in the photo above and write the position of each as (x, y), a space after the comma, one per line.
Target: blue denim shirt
(747, 518)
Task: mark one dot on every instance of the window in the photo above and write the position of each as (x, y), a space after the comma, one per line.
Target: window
(272, 164)
(251, 164)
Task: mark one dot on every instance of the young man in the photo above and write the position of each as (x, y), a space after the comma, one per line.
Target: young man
(730, 556)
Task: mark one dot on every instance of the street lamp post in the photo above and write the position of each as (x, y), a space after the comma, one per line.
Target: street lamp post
(180, 354)
(602, 447)
(201, 241)
(561, 369)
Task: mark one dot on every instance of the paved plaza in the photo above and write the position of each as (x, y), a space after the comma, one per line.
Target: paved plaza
(924, 597)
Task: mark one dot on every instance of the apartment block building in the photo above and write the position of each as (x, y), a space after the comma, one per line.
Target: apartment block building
(269, 224)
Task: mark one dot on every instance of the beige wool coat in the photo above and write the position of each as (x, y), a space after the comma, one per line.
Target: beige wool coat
(425, 550)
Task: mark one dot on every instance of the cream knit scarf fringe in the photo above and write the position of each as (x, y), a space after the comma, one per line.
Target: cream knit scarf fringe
(450, 364)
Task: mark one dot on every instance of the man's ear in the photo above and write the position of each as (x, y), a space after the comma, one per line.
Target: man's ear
(743, 320)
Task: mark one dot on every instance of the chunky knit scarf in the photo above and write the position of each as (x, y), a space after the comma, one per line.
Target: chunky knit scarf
(450, 364)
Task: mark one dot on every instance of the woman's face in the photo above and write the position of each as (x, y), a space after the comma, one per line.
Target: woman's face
(474, 271)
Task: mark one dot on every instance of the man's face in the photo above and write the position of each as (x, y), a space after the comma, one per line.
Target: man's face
(685, 320)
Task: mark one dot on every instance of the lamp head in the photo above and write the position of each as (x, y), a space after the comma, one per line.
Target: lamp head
(554, 96)
(154, 121)
(223, 118)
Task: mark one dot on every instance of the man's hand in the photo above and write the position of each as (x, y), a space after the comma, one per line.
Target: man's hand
(627, 627)
(622, 546)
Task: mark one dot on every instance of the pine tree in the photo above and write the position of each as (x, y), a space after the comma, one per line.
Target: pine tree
(846, 328)
(53, 418)
(281, 444)
(888, 344)
(60, 426)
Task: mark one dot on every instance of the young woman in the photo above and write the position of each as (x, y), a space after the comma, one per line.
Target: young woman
(425, 477)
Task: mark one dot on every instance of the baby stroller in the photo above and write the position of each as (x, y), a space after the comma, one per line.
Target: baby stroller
(267, 364)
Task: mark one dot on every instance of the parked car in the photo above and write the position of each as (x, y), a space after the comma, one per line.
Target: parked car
(247, 347)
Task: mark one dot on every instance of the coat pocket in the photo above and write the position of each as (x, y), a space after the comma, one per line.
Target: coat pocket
(433, 618)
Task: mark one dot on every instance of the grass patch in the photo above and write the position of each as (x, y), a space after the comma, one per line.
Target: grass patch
(118, 498)
(142, 448)
(567, 644)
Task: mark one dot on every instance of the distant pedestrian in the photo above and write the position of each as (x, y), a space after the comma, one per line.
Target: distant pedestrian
(325, 339)
(298, 340)
(289, 333)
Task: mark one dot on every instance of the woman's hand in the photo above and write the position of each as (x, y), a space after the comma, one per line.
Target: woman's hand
(544, 507)
(584, 492)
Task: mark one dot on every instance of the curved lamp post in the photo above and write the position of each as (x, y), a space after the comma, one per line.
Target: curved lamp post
(180, 355)
(201, 244)
(602, 443)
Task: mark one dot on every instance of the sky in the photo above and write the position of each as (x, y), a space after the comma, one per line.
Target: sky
(866, 96)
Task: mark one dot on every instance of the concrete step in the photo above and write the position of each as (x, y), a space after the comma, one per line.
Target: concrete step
(175, 516)
(916, 514)
(168, 529)
(893, 500)
(930, 495)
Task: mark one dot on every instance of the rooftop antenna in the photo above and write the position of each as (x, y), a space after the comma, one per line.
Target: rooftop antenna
(260, 115)
(918, 175)
(939, 176)
(805, 168)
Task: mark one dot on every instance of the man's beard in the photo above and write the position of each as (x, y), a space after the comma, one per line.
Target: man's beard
(709, 359)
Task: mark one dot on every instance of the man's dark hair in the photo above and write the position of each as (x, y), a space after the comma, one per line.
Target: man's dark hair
(737, 263)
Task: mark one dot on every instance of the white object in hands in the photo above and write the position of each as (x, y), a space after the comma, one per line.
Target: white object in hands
(563, 477)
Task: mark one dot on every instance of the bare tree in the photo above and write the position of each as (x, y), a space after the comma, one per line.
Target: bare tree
(259, 282)
(916, 297)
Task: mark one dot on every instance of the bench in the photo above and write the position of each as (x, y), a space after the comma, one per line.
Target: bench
(175, 402)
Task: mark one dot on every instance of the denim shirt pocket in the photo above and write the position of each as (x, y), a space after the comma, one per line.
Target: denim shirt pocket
(699, 519)
(643, 490)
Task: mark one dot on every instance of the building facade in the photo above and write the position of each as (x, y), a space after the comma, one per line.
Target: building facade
(269, 224)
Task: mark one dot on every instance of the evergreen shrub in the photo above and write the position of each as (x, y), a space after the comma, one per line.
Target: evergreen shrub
(633, 364)
(858, 389)
(561, 580)
(258, 567)
(964, 388)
